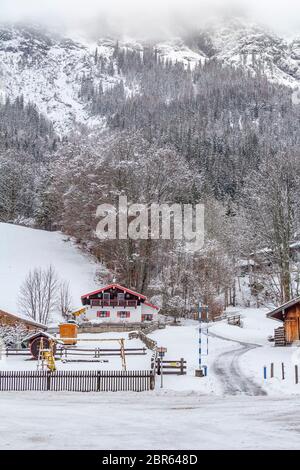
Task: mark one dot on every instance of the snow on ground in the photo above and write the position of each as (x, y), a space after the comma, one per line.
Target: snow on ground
(223, 338)
(23, 249)
(149, 420)
(188, 413)
(176, 51)
(183, 342)
(256, 330)
(256, 326)
(136, 362)
(236, 358)
(255, 360)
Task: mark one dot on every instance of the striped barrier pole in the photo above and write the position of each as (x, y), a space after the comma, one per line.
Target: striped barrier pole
(200, 336)
(206, 336)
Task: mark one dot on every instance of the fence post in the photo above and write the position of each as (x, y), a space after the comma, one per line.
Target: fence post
(265, 373)
(282, 371)
(98, 381)
(296, 374)
(152, 380)
(272, 370)
(182, 366)
(48, 380)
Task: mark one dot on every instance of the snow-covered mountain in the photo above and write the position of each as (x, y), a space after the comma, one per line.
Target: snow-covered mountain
(47, 68)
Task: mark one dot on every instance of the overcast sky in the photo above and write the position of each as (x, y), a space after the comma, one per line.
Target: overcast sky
(137, 16)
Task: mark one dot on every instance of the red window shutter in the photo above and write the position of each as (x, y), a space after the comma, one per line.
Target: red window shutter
(108, 314)
(127, 314)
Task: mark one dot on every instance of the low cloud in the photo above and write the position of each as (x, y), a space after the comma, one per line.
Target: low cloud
(140, 17)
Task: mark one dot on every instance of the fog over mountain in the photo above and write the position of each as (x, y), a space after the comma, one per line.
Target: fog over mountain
(158, 18)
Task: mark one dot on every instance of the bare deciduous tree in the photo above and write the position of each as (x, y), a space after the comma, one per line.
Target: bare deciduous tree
(38, 294)
(65, 300)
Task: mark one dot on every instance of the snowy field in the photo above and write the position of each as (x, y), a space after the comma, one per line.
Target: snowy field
(23, 249)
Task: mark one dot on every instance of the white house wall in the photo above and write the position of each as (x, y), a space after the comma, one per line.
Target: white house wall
(147, 310)
(135, 314)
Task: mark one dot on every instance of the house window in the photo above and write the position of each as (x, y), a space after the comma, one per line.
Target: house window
(103, 314)
(147, 317)
(106, 295)
(122, 314)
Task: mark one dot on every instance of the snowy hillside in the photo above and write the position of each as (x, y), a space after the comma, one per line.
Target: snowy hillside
(256, 48)
(22, 249)
(47, 69)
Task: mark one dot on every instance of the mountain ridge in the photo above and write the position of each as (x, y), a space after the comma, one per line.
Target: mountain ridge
(46, 68)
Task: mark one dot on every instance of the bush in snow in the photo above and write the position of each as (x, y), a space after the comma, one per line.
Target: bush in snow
(12, 335)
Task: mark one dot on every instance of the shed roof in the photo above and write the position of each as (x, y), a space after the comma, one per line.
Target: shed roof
(278, 313)
(23, 319)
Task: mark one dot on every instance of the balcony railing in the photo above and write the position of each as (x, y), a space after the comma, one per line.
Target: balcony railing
(113, 303)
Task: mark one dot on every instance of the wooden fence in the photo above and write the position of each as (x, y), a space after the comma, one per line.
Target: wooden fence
(149, 343)
(171, 367)
(234, 320)
(65, 352)
(99, 352)
(77, 381)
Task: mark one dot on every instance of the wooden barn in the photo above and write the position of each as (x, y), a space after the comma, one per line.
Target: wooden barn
(11, 319)
(289, 314)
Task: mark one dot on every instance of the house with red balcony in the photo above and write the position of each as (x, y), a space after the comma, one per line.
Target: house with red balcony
(115, 303)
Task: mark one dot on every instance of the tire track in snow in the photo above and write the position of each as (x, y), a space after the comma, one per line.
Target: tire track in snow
(227, 368)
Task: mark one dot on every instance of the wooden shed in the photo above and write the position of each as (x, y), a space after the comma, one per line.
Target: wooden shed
(289, 315)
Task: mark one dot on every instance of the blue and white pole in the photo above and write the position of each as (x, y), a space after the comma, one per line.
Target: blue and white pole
(202, 309)
(200, 335)
(206, 310)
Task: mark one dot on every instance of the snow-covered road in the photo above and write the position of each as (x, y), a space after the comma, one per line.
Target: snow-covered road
(168, 420)
(228, 370)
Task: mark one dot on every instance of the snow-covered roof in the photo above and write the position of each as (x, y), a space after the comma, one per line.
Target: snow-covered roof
(37, 334)
(278, 313)
(114, 286)
(23, 319)
(149, 304)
